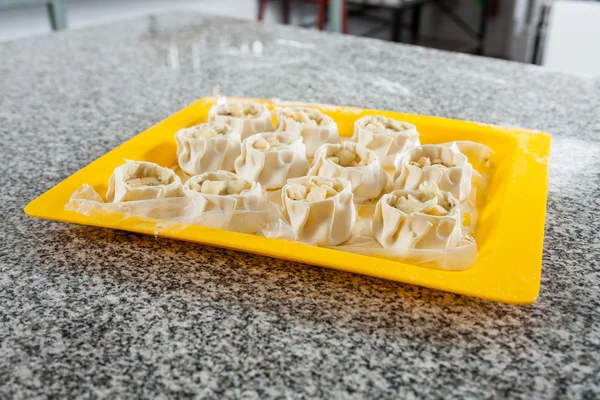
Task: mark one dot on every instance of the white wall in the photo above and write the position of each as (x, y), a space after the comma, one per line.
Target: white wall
(573, 37)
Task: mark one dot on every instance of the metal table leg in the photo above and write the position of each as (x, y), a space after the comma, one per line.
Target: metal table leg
(482, 25)
(336, 10)
(57, 12)
(416, 22)
(397, 25)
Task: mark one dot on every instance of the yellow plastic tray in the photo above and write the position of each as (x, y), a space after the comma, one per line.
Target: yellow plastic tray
(510, 229)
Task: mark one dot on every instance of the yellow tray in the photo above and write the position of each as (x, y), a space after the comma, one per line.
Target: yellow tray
(510, 229)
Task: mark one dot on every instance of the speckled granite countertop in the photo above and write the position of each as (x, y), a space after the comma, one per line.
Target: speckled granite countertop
(89, 312)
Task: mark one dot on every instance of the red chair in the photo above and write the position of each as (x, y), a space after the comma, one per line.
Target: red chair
(322, 8)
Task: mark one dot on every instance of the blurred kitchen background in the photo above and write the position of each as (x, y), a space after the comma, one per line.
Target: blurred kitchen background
(562, 35)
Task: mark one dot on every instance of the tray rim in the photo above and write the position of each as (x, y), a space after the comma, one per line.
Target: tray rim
(532, 147)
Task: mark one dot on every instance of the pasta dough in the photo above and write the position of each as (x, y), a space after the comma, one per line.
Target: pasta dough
(238, 200)
(207, 147)
(271, 158)
(354, 162)
(244, 117)
(427, 218)
(385, 136)
(320, 210)
(438, 164)
(140, 180)
(315, 127)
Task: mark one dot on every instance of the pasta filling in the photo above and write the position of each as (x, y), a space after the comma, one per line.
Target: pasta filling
(145, 181)
(267, 144)
(314, 189)
(428, 162)
(348, 158)
(306, 117)
(152, 181)
(221, 188)
(242, 110)
(208, 130)
(377, 124)
(430, 200)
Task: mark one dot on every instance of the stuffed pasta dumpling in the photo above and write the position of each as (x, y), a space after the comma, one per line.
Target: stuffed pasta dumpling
(320, 210)
(247, 118)
(271, 158)
(427, 218)
(442, 165)
(237, 198)
(354, 162)
(140, 180)
(387, 137)
(315, 127)
(207, 147)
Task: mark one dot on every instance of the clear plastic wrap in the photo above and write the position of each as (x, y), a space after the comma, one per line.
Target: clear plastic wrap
(174, 214)
(362, 240)
(166, 213)
(287, 215)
